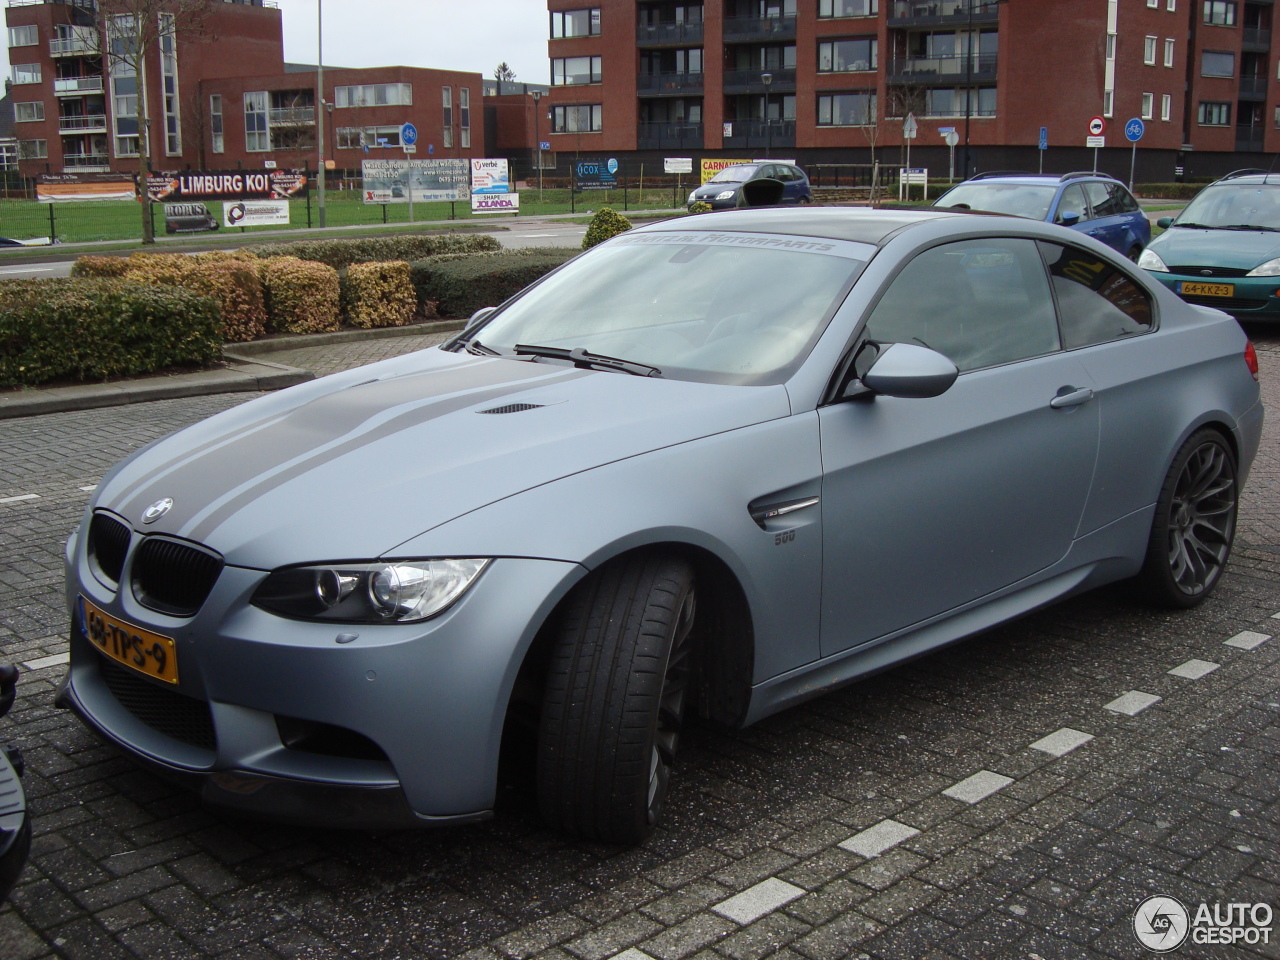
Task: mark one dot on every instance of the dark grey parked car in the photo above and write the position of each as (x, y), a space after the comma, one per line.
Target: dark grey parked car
(787, 184)
(720, 464)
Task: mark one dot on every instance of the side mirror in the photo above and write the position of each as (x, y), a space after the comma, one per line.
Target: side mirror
(1069, 219)
(478, 318)
(907, 371)
(1164, 223)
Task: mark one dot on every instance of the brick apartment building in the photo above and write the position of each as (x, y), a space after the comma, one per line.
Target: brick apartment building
(218, 99)
(825, 80)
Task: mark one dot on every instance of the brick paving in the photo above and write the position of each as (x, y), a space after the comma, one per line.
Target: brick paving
(981, 802)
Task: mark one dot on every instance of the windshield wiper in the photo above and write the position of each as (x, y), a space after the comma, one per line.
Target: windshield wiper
(1194, 226)
(581, 358)
(1247, 226)
(476, 347)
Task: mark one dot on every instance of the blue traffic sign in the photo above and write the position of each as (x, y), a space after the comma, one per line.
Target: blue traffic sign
(1044, 138)
(408, 134)
(1134, 130)
(544, 145)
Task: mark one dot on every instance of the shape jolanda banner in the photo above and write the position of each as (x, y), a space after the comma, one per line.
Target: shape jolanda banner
(192, 185)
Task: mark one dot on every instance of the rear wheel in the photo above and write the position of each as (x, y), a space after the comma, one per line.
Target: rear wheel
(615, 697)
(1135, 252)
(1194, 525)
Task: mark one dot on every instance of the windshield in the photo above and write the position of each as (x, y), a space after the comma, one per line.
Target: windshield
(1020, 199)
(737, 174)
(717, 307)
(1234, 205)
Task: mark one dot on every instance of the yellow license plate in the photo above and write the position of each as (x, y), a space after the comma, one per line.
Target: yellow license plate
(142, 650)
(1190, 289)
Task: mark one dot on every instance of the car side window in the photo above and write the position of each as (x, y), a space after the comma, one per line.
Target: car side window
(1101, 199)
(1123, 199)
(1071, 202)
(1097, 302)
(979, 302)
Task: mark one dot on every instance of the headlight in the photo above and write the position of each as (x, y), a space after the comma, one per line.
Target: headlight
(1150, 260)
(693, 197)
(392, 591)
(725, 194)
(1269, 269)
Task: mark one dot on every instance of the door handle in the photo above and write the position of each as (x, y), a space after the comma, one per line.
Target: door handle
(1074, 398)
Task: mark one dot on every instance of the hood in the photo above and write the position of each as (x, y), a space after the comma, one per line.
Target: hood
(352, 465)
(1194, 247)
(712, 189)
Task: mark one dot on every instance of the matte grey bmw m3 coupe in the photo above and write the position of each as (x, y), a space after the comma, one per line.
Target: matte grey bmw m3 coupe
(711, 467)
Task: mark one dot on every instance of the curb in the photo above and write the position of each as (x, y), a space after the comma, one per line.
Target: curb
(298, 340)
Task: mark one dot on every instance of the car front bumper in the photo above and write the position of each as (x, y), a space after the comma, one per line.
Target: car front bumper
(1250, 298)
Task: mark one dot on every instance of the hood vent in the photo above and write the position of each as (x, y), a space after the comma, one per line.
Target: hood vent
(513, 408)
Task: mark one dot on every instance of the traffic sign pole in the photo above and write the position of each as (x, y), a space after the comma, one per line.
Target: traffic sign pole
(1134, 130)
(1097, 127)
(409, 140)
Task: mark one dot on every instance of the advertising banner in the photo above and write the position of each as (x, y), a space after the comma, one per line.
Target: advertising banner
(388, 181)
(188, 218)
(596, 174)
(495, 203)
(677, 165)
(490, 176)
(711, 167)
(52, 187)
(255, 213)
(227, 185)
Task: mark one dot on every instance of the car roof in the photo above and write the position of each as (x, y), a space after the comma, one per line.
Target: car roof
(1259, 178)
(1039, 179)
(861, 224)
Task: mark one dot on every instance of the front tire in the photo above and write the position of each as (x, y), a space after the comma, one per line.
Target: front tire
(615, 696)
(1194, 525)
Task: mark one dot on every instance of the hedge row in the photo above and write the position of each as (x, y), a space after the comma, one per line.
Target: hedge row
(301, 295)
(378, 295)
(342, 253)
(1167, 191)
(461, 285)
(84, 329)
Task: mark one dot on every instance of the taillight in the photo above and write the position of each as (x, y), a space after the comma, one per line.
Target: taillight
(1251, 358)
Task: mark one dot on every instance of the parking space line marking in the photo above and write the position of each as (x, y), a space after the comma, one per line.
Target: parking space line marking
(1275, 616)
(27, 269)
(1247, 640)
(25, 496)
(1061, 742)
(632, 954)
(754, 902)
(89, 489)
(1132, 703)
(875, 840)
(977, 787)
(1194, 669)
(51, 661)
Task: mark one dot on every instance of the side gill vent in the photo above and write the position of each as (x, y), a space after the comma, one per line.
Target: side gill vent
(513, 408)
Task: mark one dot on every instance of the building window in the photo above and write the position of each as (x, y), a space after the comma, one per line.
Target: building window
(25, 73)
(1148, 105)
(367, 138)
(464, 114)
(446, 103)
(980, 102)
(1111, 46)
(215, 123)
(1213, 114)
(33, 149)
(1166, 106)
(1214, 63)
(1153, 4)
(569, 71)
(1108, 102)
(1221, 13)
(580, 118)
(1168, 53)
(857, 109)
(23, 36)
(833, 9)
(9, 156)
(575, 23)
(23, 112)
(374, 95)
(1149, 51)
(844, 56)
(169, 75)
(1171, 6)
(257, 138)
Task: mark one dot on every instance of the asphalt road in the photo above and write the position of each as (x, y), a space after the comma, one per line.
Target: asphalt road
(1007, 797)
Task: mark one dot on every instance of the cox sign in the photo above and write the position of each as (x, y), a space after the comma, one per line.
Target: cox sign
(596, 174)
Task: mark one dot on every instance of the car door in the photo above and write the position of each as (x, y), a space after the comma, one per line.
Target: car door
(1106, 222)
(1072, 202)
(932, 504)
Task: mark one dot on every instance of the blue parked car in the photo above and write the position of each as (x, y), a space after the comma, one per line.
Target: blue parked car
(726, 189)
(1092, 203)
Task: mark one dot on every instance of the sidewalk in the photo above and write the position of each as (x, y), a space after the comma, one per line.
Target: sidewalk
(260, 365)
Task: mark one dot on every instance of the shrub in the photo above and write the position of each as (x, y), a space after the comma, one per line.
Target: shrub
(301, 295)
(461, 285)
(605, 224)
(89, 329)
(340, 253)
(100, 267)
(159, 268)
(224, 256)
(236, 287)
(700, 206)
(378, 295)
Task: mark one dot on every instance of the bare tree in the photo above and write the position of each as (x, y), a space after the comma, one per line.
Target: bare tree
(130, 33)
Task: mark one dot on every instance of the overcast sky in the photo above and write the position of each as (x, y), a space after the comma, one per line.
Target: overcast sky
(472, 35)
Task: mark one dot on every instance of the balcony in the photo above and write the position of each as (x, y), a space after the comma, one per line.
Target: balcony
(760, 134)
(943, 71)
(74, 86)
(291, 115)
(669, 136)
(1256, 39)
(922, 13)
(86, 163)
(650, 84)
(756, 29)
(91, 123)
(1253, 88)
(1249, 138)
(666, 34)
(73, 47)
(749, 81)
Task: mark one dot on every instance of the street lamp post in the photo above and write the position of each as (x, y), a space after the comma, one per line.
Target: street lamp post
(767, 80)
(537, 95)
